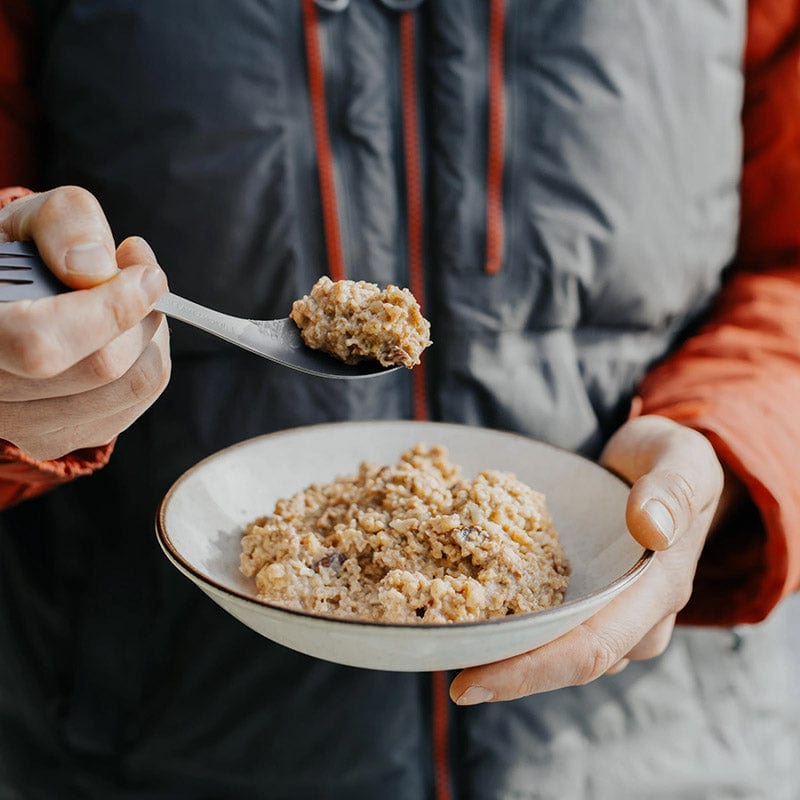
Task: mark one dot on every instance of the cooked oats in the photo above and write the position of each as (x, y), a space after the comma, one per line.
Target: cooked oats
(410, 542)
(356, 320)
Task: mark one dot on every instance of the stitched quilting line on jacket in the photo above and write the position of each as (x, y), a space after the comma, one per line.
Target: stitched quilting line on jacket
(496, 133)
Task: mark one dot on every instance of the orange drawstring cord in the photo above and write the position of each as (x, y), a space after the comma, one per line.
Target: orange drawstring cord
(494, 167)
(441, 760)
(319, 115)
(414, 207)
(416, 269)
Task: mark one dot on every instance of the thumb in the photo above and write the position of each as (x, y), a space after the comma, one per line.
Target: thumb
(70, 231)
(676, 478)
(661, 506)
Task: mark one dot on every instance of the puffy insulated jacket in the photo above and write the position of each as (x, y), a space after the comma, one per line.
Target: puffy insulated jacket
(558, 183)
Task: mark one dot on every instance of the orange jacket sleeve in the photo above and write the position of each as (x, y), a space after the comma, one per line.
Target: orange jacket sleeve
(22, 477)
(738, 379)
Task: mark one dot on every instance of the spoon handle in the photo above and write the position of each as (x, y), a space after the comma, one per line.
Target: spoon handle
(215, 322)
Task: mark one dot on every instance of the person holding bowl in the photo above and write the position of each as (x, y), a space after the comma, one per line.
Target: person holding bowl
(597, 209)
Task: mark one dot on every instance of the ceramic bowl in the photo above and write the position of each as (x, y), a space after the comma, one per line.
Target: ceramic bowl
(200, 520)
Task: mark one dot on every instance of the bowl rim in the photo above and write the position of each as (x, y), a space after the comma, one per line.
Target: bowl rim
(610, 589)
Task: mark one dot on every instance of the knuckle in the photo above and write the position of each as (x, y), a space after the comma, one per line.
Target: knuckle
(36, 352)
(125, 309)
(603, 656)
(705, 458)
(129, 300)
(106, 365)
(148, 377)
(680, 491)
(523, 680)
(68, 201)
(598, 665)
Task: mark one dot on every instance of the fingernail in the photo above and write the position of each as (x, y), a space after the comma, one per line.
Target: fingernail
(90, 259)
(474, 695)
(661, 518)
(154, 282)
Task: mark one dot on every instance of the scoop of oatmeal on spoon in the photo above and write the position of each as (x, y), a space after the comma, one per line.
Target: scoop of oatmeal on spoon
(357, 320)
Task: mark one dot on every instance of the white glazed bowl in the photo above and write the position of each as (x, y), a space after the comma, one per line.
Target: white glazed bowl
(201, 518)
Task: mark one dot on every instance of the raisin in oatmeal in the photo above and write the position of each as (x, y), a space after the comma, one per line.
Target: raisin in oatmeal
(356, 320)
(410, 542)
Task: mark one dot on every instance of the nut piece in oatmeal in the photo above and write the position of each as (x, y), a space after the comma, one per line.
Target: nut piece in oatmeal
(356, 320)
(411, 542)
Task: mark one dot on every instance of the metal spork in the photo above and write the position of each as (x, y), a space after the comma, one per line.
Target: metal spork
(24, 276)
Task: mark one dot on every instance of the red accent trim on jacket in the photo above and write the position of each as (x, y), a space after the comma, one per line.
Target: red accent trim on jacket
(416, 267)
(440, 700)
(319, 115)
(414, 204)
(496, 149)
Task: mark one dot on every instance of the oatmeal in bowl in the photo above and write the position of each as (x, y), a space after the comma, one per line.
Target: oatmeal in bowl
(410, 542)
